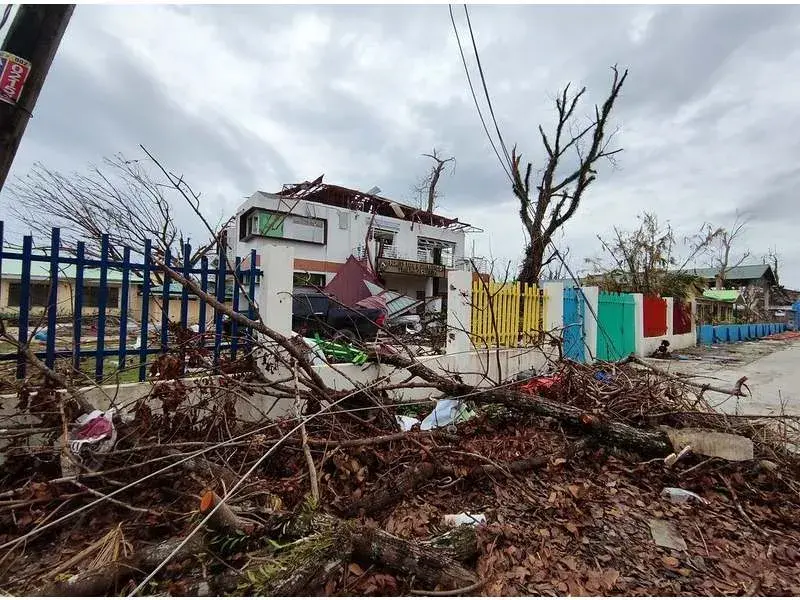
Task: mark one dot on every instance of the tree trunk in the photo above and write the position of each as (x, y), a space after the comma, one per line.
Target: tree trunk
(426, 564)
(99, 582)
(397, 489)
(306, 566)
(647, 442)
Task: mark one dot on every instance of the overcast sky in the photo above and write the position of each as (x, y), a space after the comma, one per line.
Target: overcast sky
(248, 98)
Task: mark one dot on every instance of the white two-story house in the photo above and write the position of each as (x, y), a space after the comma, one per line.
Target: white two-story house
(410, 249)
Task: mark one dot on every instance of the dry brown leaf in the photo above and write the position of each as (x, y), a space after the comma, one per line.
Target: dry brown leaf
(355, 570)
(609, 577)
(670, 561)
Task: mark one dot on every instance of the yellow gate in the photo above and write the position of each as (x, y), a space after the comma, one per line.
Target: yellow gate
(510, 314)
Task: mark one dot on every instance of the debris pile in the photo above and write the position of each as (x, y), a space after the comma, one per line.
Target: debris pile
(611, 479)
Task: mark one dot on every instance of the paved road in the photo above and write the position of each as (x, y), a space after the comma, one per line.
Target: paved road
(772, 369)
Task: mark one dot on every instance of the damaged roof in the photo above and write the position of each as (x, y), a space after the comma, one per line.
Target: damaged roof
(342, 197)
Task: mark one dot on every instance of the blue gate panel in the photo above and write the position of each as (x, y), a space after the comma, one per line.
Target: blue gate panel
(574, 338)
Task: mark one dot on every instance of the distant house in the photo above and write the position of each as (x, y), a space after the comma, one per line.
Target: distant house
(755, 282)
(719, 306)
(11, 288)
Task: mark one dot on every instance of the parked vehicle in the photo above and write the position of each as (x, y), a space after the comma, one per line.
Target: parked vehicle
(315, 313)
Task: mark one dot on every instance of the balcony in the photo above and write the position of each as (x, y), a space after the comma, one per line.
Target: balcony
(421, 263)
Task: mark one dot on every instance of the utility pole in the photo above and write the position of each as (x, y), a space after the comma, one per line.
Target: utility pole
(25, 59)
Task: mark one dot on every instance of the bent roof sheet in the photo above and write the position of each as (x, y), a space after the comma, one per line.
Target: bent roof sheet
(722, 295)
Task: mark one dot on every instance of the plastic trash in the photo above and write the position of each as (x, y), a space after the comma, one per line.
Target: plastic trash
(94, 435)
(666, 535)
(447, 412)
(341, 352)
(464, 519)
(96, 432)
(681, 496)
(602, 376)
(539, 384)
(406, 423)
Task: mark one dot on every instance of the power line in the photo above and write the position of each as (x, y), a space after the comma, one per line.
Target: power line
(486, 90)
(475, 98)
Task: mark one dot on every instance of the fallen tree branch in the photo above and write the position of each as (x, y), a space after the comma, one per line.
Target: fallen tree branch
(420, 474)
(745, 516)
(224, 518)
(98, 582)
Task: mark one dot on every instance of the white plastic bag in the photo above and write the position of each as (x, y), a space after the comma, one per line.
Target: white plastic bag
(464, 519)
(447, 412)
(406, 423)
(681, 496)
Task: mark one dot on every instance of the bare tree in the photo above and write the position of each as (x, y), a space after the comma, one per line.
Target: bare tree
(644, 260)
(120, 199)
(722, 247)
(426, 189)
(559, 192)
(773, 259)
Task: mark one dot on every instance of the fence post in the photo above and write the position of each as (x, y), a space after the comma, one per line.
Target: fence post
(459, 311)
(638, 323)
(591, 308)
(553, 305)
(670, 317)
(274, 295)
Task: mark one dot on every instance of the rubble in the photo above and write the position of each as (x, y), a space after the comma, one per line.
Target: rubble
(555, 484)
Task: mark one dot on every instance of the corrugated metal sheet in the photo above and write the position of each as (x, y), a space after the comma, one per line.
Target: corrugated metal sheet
(396, 303)
(347, 285)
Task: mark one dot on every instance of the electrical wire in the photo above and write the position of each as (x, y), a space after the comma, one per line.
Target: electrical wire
(475, 97)
(486, 90)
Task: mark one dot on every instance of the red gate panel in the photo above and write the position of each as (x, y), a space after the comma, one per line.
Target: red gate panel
(655, 316)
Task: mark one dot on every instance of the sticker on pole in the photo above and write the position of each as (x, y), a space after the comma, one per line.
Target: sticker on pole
(13, 73)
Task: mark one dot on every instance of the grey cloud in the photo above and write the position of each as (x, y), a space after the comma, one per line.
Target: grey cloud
(731, 153)
(92, 117)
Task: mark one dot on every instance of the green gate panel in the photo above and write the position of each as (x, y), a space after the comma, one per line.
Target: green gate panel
(616, 334)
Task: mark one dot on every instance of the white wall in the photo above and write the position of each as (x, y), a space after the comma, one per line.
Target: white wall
(554, 308)
(341, 241)
(459, 311)
(592, 295)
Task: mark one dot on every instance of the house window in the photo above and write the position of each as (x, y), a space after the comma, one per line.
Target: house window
(305, 279)
(283, 226)
(91, 297)
(384, 243)
(437, 252)
(39, 294)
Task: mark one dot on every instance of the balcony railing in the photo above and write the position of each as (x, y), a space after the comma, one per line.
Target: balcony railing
(426, 256)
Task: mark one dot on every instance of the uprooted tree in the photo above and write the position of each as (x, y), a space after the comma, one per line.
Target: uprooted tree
(573, 152)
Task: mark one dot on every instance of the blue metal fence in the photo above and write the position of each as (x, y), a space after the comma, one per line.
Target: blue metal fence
(574, 335)
(138, 285)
